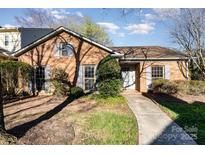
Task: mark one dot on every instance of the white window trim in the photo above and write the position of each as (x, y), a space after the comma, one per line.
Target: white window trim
(163, 69)
(84, 78)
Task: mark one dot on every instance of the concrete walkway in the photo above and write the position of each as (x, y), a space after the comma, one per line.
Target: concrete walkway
(155, 127)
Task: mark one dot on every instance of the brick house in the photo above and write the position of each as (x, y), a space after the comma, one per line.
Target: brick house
(79, 57)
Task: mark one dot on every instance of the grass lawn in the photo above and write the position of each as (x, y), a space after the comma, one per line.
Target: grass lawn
(190, 116)
(87, 120)
(112, 122)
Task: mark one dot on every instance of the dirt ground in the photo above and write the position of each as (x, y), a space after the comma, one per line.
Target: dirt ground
(192, 98)
(50, 120)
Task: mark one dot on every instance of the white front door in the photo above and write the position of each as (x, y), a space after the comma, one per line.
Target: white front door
(128, 76)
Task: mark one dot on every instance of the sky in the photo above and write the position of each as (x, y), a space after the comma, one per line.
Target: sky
(139, 27)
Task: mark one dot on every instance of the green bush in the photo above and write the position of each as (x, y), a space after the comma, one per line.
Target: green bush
(60, 89)
(76, 92)
(164, 86)
(60, 82)
(11, 72)
(109, 81)
(23, 93)
(196, 87)
(192, 87)
(110, 88)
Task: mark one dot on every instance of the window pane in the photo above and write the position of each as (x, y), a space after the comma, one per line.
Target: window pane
(40, 78)
(157, 72)
(89, 71)
(67, 49)
(89, 77)
(6, 41)
(89, 84)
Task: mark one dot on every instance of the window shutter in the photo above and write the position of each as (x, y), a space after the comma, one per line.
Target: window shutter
(80, 77)
(148, 77)
(47, 78)
(167, 72)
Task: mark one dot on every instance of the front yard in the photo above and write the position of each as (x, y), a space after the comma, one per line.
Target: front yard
(186, 111)
(88, 120)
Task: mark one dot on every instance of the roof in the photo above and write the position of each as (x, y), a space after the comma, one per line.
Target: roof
(54, 33)
(149, 52)
(29, 35)
(5, 54)
(3, 51)
(3, 30)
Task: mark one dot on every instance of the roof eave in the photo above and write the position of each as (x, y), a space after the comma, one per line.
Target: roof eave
(56, 31)
(154, 59)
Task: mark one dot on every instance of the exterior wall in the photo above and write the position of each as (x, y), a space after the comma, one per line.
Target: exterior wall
(177, 70)
(14, 41)
(20, 37)
(44, 55)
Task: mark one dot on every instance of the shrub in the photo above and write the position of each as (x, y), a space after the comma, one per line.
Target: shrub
(192, 87)
(11, 72)
(110, 88)
(76, 92)
(109, 77)
(60, 82)
(196, 87)
(23, 93)
(60, 89)
(164, 86)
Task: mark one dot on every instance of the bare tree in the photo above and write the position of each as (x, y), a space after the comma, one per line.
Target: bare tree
(2, 127)
(188, 31)
(46, 18)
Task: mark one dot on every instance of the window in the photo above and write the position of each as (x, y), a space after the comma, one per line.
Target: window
(67, 49)
(157, 72)
(40, 78)
(6, 41)
(89, 77)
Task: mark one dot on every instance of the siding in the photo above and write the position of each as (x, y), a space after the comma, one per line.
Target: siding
(44, 54)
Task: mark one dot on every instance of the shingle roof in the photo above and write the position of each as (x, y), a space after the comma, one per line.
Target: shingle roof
(149, 52)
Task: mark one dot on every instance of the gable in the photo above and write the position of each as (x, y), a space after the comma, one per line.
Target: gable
(55, 33)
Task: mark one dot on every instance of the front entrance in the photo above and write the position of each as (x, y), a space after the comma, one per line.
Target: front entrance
(128, 76)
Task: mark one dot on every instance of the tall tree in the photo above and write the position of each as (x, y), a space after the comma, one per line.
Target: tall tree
(2, 127)
(46, 18)
(50, 18)
(91, 30)
(187, 29)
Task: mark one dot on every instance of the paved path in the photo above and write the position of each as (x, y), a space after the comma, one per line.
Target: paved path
(155, 127)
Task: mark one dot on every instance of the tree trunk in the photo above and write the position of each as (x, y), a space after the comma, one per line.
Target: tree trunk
(2, 126)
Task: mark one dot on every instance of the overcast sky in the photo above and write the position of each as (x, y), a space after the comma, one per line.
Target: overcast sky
(139, 27)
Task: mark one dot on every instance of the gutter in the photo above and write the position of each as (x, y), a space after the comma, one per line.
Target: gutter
(117, 55)
(148, 59)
